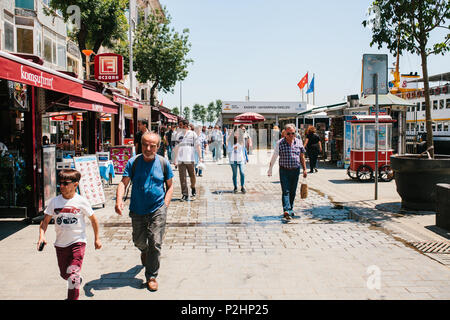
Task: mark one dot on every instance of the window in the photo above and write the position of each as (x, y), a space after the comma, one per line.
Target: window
(26, 4)
(445, 126)
(62, 59)
(369, 137)
(435, 104)
(39, 44)
(422, 127)
(9, 36)
(439, 126)
(47, 49)
(418, 106)
(72, 65)
(448, 103)
(423, 106)
(25, 40)
(441, 104)
(433, 126)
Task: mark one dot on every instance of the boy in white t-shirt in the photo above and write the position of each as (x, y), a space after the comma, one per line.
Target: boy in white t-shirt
(68, 211)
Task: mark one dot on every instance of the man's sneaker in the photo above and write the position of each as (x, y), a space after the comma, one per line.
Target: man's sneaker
(152, 284)
(286, 215)
(292, 213)
(243, 190)
(184, 198)
(193, 192)
(235, 190)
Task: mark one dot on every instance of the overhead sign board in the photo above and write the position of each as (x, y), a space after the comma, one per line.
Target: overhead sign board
(263, 107)
(108, 67)
(375, 64)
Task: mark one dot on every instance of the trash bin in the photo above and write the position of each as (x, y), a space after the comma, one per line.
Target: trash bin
(443, 205)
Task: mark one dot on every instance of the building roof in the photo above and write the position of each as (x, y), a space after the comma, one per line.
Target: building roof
(384, 100)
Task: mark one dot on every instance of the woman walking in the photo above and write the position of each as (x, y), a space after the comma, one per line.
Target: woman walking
(313, 147)
(238, 157)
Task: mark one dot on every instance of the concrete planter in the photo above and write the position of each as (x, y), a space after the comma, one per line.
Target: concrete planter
(443, 206)
(416, 180)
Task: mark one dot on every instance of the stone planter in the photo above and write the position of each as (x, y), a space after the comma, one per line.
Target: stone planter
(416, 179)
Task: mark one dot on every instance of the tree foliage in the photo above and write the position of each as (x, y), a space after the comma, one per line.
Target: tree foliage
(211, 112)
(160, 53)
(102, 22)
(406, 25)
(176, 111)
(187, 113)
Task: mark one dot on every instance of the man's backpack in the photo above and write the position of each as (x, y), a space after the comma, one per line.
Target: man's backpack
(163, 162)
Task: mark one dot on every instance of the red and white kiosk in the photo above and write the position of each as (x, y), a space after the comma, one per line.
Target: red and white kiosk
(362, 153)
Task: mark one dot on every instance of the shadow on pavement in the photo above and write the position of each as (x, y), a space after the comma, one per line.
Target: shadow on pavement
(396, 207)
(115, 280)
(8, 228)
(442, 232)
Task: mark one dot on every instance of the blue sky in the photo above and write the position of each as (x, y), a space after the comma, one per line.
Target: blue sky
(266, 47)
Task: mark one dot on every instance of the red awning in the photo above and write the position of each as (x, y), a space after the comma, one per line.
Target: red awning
(16, 69)
(170, 117)
(93, 101)
(127, 101)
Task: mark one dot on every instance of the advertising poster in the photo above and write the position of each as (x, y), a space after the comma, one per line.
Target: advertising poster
(90, 184)
(120, 157)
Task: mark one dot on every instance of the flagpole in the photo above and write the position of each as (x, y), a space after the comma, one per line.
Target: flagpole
(314, 90)
(307, 88)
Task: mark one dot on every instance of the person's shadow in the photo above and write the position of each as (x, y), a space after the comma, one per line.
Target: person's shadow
(115, 280)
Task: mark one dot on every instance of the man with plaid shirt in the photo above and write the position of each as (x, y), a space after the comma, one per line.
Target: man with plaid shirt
(292, 154)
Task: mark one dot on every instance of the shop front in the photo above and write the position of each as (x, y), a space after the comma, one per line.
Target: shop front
(43, 113)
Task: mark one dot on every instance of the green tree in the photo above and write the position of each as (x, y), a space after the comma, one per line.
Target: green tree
(202, 114)
(176, 111)
(406, 25)
(211, 112)
(102, 22)
(160, 54)
(196, 112)
(187, 113)
(218, 108)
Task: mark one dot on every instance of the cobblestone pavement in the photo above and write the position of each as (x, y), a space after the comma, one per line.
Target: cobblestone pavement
(234, 246)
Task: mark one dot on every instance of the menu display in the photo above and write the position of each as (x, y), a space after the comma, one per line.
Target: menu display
(90, 184)
(120, 156)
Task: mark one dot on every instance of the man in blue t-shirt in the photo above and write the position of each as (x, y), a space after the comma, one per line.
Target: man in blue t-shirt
(149, 202)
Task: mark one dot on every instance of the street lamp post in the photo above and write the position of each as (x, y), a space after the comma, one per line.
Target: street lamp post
(87, 53)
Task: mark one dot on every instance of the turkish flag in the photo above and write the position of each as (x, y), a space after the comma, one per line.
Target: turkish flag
(303, 82)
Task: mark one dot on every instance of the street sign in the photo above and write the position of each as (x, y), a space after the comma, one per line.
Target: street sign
(108, 67)
(375, 64)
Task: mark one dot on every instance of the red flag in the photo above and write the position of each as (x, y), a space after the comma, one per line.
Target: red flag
(303, 82)
(161, 103)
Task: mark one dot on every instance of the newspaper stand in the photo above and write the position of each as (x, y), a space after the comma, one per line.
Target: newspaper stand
(362, 153)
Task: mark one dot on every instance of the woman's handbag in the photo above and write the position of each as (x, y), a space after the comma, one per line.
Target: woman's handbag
(304, 189)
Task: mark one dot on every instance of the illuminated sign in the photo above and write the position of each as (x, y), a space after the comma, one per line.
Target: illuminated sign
(108, 67)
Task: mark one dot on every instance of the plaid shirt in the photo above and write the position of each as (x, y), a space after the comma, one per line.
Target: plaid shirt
(290, 154)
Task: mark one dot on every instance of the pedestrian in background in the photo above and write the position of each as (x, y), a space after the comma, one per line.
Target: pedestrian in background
(216, 142)
(313, 147)
(238, 158)
(163, 144)
(68, 211)
(224, 139)
(292, 156)
(149, 201)
(203, 145)
(169, 134)
(185, 158)
(142, 128)
(275, 136)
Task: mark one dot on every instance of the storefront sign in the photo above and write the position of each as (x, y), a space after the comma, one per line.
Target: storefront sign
(108, 67)
(90, 184)
(18, 72)
(128, 102)
(263, 107)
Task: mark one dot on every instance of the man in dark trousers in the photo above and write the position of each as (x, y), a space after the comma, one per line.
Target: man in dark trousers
(149, 202)
(292, 156)
(142, 128)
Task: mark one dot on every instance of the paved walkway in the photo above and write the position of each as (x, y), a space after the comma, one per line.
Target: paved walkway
(235, 246)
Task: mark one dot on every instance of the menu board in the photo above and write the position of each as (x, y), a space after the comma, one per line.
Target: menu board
(90, 184)
(120, 156)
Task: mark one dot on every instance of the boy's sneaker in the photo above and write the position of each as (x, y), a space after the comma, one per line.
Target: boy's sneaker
(286, 215)
(243, 190)
(184, 198)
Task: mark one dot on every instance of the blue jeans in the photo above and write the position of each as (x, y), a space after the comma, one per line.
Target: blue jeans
(234, 166)
(169, 152)
(289, 182)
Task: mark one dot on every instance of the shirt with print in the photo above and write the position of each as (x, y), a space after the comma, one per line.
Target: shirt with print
(147, 193)
(187, 141)
(237, 153)
(68, 214)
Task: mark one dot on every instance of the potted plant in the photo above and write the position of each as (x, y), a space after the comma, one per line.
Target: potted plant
(406, 25)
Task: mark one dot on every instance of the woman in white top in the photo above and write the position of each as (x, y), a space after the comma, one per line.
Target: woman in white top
(238, 157)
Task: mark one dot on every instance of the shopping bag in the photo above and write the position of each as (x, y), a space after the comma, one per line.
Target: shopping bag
(304, 189)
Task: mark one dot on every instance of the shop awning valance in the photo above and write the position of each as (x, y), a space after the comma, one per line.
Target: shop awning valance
(16, 69)
(93, 101)
(127, 101)
(170, 118)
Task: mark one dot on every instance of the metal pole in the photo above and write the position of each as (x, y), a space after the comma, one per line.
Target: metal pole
(130, 35)
(375, 79)
(181, 101)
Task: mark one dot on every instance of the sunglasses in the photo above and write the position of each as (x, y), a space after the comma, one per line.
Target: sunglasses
(65, 183)
(290, 133)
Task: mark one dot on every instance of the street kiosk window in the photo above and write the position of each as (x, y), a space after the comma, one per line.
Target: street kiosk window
(369, 137)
